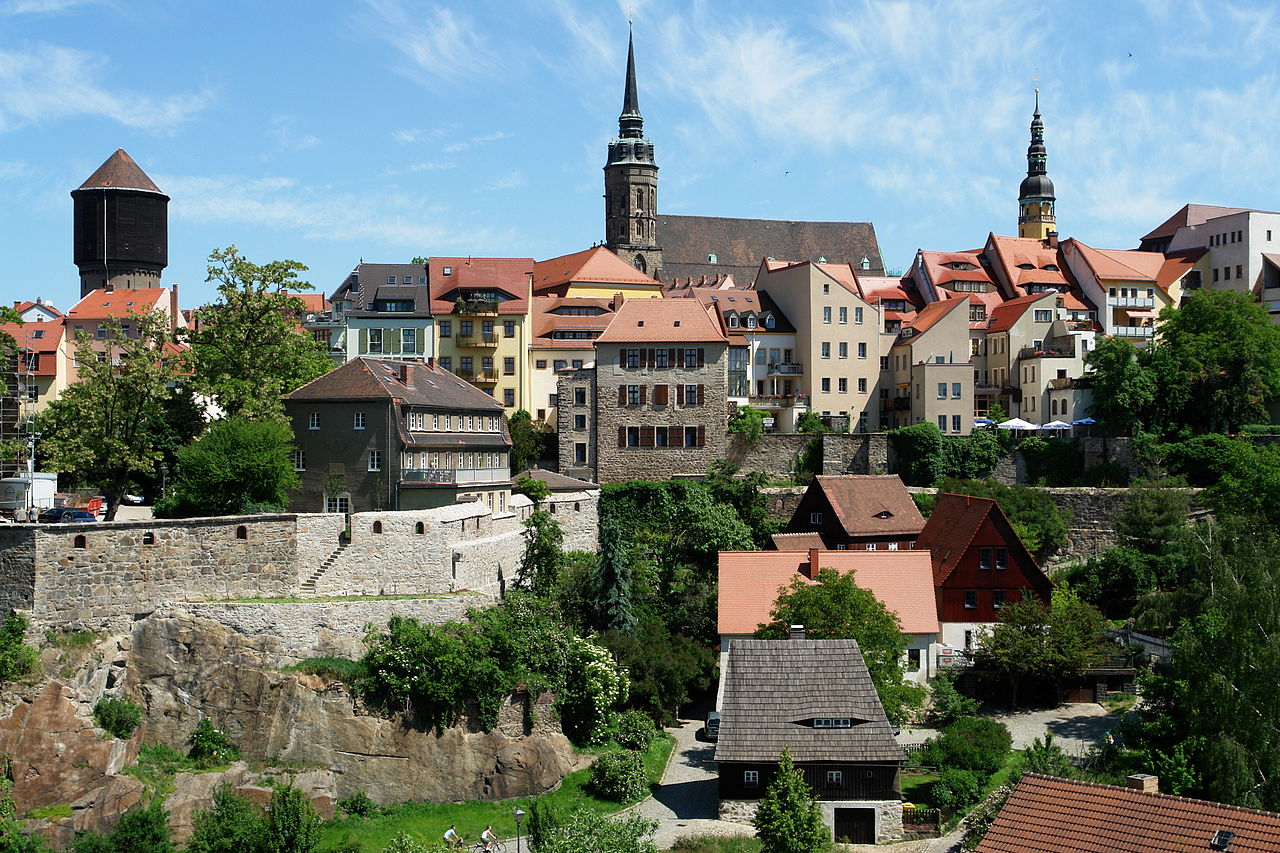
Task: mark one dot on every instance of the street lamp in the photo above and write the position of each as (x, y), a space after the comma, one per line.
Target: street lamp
(518, 814)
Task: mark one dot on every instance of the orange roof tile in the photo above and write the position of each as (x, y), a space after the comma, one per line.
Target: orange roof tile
(749, 582)
(27, 304)
(102, 304)
(661, 320)
(1176, 265)
(871, 504)
(1122, 264)
(1049, 815)
(1191, 214)
(119, 172)
(510, 275)
(591, 266)
(1011, 310)
(932, 313)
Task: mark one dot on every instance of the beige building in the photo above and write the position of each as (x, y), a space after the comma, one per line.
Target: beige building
(932, 371)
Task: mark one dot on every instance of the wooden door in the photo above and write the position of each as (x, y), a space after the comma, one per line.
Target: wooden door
(856, 826)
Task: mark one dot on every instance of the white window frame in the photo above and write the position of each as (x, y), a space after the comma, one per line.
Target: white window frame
(359, 420)
(313, 420)
(375, 460)
(299, 460)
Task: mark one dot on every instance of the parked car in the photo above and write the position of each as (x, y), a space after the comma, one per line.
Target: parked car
(713, 725)
(67, 514)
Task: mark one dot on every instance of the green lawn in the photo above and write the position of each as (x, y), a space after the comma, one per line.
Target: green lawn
(915, 788)
(427, 822)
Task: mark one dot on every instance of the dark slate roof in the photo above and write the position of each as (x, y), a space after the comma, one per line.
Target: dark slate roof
(773, 688)
(120, 172)
(741, 244)
(426, 385)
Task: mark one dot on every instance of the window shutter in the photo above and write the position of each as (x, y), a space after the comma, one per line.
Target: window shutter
(646, 436)
(648, 358)
(702, 357)
(622, 436)
(622, 358)
(702, 436)
(622, 395)
(680, 394)
(675, 436)
(701, 395)
(671, 357)
(661, 394)
(644, 394)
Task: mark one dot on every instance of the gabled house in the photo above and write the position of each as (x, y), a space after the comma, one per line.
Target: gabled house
(854, 511)
(379, 311)
(979, 564)
(1049, 815)
(815, 698)
(592, 273)
(750, 582)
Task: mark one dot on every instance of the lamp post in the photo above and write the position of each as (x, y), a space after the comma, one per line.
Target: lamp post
(164, 478)
(518, 814)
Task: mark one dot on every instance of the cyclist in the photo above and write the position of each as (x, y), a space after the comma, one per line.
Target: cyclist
(452, 838)
(487, 838)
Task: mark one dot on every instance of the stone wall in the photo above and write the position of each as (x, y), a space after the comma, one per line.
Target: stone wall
(888, 814)
(578, 514)
(1091, 526)
(776, 454)
(855, 453)
(17, 567)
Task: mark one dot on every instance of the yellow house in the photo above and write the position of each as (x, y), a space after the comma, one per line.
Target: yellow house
(594, 273)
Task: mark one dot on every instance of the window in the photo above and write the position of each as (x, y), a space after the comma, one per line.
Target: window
(942, 423)
(857, 315)
(633, 395)
(862, 350)
(970, 599)
(360, 421)
(844, 315)
(313, 420)
(299, 460)
(559, 364)
(577, 364)
(884, 362)
(242, 532)
(942, 390)
(955, 390)
(465, 328)
(826, 314)
(80, 542)
(835, 778)
(375, 460)
(843, 349)
(486, 328)
(1226, 273)
(580, 453)
(862, 385)
(691, 357)
(633, 436)
(508, 396)
(955, 423)
(446, 363)
(826, 385)
(661, 358)
(375, 340)
(826, 349)
(751, 778)
(508, 328)
(870, 546)
(1002, 558)
(913, 660)
(660, 436)
(831, 722)
(691, 396)
(579, 421)
(998, 598)
(409, 339)
(633, 358)
(842, 385)
(446, 328)
(101, 332)
(1043, 316)
(509, 365)
(984, 558)
(1239, 271)
(815, 518)
(692, 437)
(1215, 273)
(733, 321)
(338, 503)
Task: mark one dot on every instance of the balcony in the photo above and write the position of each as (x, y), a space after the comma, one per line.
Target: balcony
(1045, 352)
(1133, 331)
(987, 387)
(475, 308)
(786, 369)
(900, 404)
(484, 340)
(478, 377)
(778, 401)
(1131, 301)
(454, 476)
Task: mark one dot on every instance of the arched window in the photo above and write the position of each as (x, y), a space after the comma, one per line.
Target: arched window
(377, 527)
(242, 532)
(81, 542)
(419, 528)
(148, 538)
(640, 198)
(641, 265)
(577, 507)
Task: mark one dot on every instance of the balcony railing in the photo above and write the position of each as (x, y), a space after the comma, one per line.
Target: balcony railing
(451, 476)
(1131, 301)
(484, 377)
(778, 400)
(1133, 331)
(483, 339)
(786, 369)
(474, 308)
(1045, 352)
(901, 404)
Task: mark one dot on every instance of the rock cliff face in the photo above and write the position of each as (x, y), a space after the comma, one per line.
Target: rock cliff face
(183, 668)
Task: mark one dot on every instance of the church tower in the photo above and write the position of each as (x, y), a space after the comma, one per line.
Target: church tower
(631, 185)
(1035, 196)
(121, 228)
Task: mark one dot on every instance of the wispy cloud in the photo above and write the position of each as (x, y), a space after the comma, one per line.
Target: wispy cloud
(443, 46)
(455, 147)
(48, 82)
(431, 166)
(42, 7)
(287, 138)
(512, 180)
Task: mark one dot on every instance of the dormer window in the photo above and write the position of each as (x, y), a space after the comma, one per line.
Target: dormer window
(751, 322)
(884, 513)
(768, 321)
(733, 321)
(831, 722)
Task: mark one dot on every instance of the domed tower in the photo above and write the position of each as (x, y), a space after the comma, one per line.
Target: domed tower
(121, 227)
(1035, 196)
(631, 185)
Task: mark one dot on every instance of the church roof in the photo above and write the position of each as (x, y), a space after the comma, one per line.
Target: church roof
(738, 245)
(119, 172)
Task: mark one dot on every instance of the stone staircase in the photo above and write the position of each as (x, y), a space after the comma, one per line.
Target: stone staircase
(308, 586)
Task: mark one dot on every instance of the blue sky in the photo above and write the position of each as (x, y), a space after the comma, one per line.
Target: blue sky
(330, 131)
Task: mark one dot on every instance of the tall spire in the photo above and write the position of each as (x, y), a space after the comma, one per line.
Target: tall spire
(1036, 216)
(630, 123)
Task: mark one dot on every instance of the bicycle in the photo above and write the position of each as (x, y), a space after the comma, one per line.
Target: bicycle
(492, 847)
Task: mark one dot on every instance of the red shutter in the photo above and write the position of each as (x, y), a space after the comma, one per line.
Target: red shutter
(701, 395)
(622, 436)
(702, 358)
(644, 394)
(648, 358)
(680, 394)
(646, 436)
(675, 436)
(702, 436)
(622, 395)
(661, 394)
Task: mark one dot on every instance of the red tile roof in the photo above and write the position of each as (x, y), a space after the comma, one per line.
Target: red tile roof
(1004, 315)
(50, 337)
(662, 320)
(749, 582)
(1049, 815)
(121, 173)
(871, 504)
(798, 541)
(932, 313)
(592, 266)
(1176, 265)
(102, 304)
(951, 527)
(510, 275)
(28, 304)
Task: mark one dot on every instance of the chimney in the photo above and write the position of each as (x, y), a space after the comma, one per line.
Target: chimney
(1051, 239)
(1144, 782)
(796, 632)
(813, 563)
(174, 313)
(109, 287)
(404, 373)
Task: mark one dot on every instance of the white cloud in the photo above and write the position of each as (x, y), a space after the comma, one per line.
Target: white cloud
(431, 166)
(512, 180)
(443, 47)
(47, 83)
(287, 139)
(42, 7)
(455, 147)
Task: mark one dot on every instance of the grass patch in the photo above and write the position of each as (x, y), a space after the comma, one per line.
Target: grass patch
(157, 764)
(1118, 703)
(71, 640)
(57, 812)
(716, 844)
(916, 788)
(426, 822)
(338, 669)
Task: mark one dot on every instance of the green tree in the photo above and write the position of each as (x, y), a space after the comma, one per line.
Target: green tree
(247, 350)
(292, 823)
(836, 608)
(977, 744)
(234, 824)
(526, 440)
(585, 831)
(613, 580)
(788, 819)
(810, 422)
(1046, 758)
(238, 466)
(665, 668)
(748, 423)
(534, 490)
(1152, 518)
(102, 428)
(16, 657)
(743, 493)
(1216, 361)
(543, 558)
(1039, 523)
(141, 830)
(1123, 388)
(917, 453)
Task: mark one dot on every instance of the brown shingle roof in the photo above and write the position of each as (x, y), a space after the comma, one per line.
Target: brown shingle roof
(557, 482)
(426, 385)
(119, 172)
(798, 541)
(773, 687)
(871, 504)
(663, 320)
(740, 244)
(1049, 815)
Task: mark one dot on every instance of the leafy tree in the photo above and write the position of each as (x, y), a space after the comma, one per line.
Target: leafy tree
(1123, 388)
(1039, 523)
(748, 423)
(526, 440)
(743, 493)
(534, 490)
(234, 824)
(949, 704)
(140, 830)
(292, 823)
(977, 744)
(918, 453)
(16, 657)
(117, 716)
(1114, 580)
(545, 816)
(1152, 518)
(836, 608)
(788, 819)
(585, 831)
(635, 731)
(956, 788)
(210, 746)
(247, 350)
(666, 668)
(102, 427)
(970, 456)
(811, 423)
(238, 466)
(594, 689)
(619, 775)
(1046, 758)
(543, 557)
(613, 580)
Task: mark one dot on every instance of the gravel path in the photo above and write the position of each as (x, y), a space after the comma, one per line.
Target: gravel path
(1075, 727)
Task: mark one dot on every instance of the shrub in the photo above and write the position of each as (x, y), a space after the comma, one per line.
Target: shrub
(404, 843)
(949, 704)
(544, 818)
(956, 789)
(16, 657)
(978, 744)
(917, 453)
(357, 805)
(339, 669)
(235, 824)
(635, 730)
(747, 422)
(210, 745)
(292, 823)
(619, 776)
(117, 716)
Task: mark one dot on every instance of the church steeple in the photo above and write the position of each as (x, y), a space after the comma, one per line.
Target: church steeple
(1035, 196)
(631, 184)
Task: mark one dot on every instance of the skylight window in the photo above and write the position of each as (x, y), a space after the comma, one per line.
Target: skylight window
(832, 723)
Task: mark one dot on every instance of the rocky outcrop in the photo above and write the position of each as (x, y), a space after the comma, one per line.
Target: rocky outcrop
(182, 668)
(193, 792)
